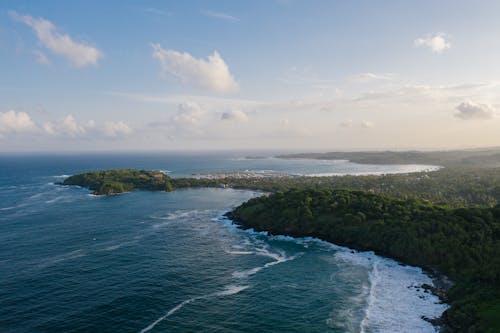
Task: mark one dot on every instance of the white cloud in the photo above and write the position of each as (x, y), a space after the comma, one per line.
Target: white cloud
(116, 128)
(40, 57)
(367, 124)
(235, 115)
(470, 110)
(80, 54)
(211, 74)
(436, 42)
(219, 15)
(69, 127)
(370, 77)
(188, 114)
(12, 122)
(64, 127)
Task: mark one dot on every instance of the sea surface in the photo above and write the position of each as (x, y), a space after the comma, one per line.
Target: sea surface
(170, 262)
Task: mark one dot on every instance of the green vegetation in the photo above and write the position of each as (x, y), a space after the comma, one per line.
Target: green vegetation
(119, 181)
(455, 187)
(463, 243)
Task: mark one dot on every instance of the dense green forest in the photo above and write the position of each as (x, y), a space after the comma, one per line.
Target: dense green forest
(463, 243)
(119, 181)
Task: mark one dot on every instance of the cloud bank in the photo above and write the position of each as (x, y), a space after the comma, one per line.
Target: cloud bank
(20, 123)
(211, 74)
(79, 54)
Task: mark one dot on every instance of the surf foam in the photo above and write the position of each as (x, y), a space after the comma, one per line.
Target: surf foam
(228, 291)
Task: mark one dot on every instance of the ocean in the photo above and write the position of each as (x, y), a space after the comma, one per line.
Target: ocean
(171, 262)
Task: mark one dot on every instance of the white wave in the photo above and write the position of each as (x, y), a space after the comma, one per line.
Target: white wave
(56, 199)
(37, 195)
(278, 259)
(11, 207)
(117, 246)
(61, 176)
(374, 278)
(229, 290)
(239, 252)
(62, 257)
(395, 303)
(177, 215)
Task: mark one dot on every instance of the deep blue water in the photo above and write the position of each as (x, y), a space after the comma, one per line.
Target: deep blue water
(169, 262)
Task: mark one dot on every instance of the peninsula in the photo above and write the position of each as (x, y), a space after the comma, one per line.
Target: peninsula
(121, 180)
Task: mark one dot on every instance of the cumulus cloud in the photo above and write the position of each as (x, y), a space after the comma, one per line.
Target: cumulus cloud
(20, 123)
(70, 127)
(80, 54)
(115, 129)
(65, 127)
(370, 77)
(211, 74)
(235, 115)
(188, 114)
(470, 110)
(12, 122)
(436, 42)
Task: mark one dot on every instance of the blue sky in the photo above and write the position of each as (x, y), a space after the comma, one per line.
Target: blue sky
(174, 75)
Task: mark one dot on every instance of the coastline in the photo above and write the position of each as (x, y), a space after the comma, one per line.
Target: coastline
(440, 282)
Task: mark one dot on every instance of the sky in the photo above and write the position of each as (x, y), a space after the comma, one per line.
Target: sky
(264, 74)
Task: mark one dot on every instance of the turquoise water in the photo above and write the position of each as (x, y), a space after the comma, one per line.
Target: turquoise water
(170, 262)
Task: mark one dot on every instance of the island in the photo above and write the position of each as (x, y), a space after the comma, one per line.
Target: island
(446, 221)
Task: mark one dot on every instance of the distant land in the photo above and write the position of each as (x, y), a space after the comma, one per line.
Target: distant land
(487, 157)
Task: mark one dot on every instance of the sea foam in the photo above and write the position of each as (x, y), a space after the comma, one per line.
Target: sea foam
(227, 291)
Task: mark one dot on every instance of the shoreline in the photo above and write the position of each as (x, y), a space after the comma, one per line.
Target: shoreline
(440, 282)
